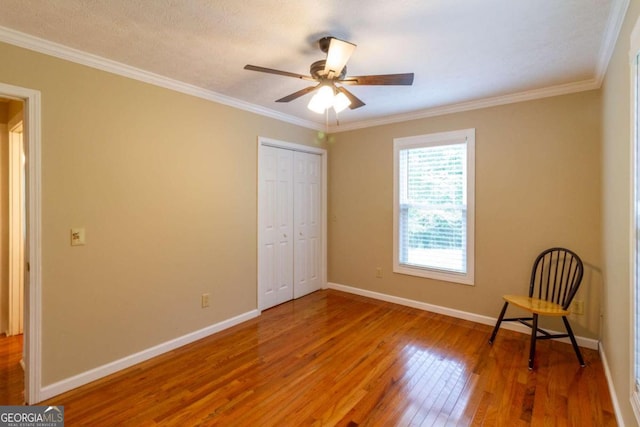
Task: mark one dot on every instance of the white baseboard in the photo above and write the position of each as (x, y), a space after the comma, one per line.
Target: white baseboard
(65, 385)
(478, 318)
(612, 390)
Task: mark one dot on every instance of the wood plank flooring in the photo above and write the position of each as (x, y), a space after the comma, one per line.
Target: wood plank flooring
(11, 373)
(333, 358)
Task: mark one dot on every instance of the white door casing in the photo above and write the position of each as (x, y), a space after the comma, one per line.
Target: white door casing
(16, 227)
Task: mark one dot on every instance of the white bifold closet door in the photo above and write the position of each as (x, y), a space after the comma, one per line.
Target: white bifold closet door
(307, 229)
(290, 257)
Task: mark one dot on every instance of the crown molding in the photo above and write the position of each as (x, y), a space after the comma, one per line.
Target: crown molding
(60, 51)
(611, 34)
(529, 95)
(612, 31)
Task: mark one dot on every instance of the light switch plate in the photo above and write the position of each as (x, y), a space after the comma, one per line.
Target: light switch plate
(77, 237)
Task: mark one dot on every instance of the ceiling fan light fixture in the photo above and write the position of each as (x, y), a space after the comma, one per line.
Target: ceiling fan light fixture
(340, 102)
(322, 100)
(314, 105)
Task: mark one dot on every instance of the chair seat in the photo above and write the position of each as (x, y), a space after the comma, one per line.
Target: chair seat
(535, 305)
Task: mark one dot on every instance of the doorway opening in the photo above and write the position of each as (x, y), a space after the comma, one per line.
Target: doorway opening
(12, 237)
(20, 245)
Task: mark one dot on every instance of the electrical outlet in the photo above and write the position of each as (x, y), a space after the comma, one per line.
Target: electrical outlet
(205, 300)
(577, 307)
(379, 272)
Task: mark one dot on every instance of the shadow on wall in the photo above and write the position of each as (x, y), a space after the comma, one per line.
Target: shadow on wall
(587, 324)
(591, 293)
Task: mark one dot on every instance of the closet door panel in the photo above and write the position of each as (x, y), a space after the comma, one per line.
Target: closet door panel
(275, 203)
(307, 227)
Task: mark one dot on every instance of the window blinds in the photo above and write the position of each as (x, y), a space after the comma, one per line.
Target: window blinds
(433, 207)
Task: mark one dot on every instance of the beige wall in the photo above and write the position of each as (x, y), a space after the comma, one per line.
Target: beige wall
(537, 185)
(4, 110)
(616, 205)
(14, 108)
(165, 185)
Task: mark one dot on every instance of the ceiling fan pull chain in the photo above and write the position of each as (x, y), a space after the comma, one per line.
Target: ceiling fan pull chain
(326, 119)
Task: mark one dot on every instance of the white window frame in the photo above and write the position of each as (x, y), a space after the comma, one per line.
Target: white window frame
(634, 52)
(430, 140)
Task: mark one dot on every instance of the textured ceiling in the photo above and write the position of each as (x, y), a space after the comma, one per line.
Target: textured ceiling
(459, 50)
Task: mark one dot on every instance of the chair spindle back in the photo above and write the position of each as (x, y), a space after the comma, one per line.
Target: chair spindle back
(556, 276)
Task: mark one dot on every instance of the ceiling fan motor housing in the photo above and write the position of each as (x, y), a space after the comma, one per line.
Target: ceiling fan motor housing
(318, 73)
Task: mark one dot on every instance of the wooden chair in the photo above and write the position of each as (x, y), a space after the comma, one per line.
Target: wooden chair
(555, 279)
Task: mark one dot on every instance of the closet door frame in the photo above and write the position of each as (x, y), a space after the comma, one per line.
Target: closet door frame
(269, 142)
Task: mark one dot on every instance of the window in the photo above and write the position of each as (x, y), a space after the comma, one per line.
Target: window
(434, 205)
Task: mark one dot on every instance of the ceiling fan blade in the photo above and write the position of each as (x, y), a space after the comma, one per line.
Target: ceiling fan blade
(297, 94)
(355, 101)
(405, 79)
(337, 56)
(278, 72)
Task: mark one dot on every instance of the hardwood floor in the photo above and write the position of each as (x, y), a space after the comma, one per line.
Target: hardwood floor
(11, 373)
(338, 359)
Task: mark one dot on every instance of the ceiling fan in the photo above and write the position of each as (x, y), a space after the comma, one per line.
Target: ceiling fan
(330, 74)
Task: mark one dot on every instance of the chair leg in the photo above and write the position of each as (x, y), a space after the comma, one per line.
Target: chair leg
(573, 341)
(534, 335)
(495, 330)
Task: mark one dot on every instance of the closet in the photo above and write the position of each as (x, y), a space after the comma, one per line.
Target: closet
(290, 218)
